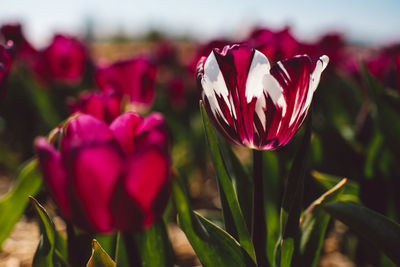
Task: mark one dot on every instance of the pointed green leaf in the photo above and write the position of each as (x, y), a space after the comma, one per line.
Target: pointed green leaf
(380, 231)
(241, 180)
(313, 227)
(212, 245)
(292, 199)
(46, 253)
(108, 243)
(99, 257)
(13, 205)
(235, 223)
(351, 190)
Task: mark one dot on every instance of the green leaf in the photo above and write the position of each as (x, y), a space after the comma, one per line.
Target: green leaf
(241, 180)
(154, 241)
(46, 253)
(99, 257)
(212, 245)
(139, 249)
(235, 223)
(108, 243)
(13, 205)
(292, 199)
(381, 232)
(313, 227)
(351, 190)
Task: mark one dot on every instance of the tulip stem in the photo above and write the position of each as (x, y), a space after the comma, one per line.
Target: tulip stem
(79, 246)
(259, 233)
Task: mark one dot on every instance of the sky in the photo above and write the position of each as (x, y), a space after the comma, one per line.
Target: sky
(372, 21)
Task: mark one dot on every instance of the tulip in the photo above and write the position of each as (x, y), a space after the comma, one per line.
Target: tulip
(252, 103)
(24, 51)
(133, 78)
(275, 45)
(5, 66)
(64, 60)
(102, 105)
(107, 178)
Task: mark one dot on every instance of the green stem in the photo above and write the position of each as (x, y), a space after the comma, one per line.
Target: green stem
(259, 233)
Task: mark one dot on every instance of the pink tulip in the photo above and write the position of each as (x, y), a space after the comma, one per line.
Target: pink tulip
(64, 60)
(276, 46)
(24, 51)
(252, 103)
(102, 105)
(108, 178)
(133, 78)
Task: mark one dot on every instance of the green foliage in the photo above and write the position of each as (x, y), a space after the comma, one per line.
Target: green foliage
(212, 245)
(235, 223)
(378, 230)
(51, 245)
(99, 257)
(292, 199)
(313, 227)
(13, 205)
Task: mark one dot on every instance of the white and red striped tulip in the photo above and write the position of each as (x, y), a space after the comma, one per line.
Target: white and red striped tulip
(255, 104)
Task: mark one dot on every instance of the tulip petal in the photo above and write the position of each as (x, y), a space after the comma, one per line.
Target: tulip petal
(85, 129)
(145, 186)
(285, 96)
(124, 128)
(134, 77)
(153, 132)
(94, 172)
(225, 81)
(54, 173)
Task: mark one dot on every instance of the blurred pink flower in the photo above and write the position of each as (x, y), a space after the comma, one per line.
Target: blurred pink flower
(108, 178)
(24, 51)
(64, 59)
(105, 106)
(252, 103)
(276, 46)
(133, 78)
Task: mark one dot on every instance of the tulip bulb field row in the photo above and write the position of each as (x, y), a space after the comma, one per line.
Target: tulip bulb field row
(263, 150)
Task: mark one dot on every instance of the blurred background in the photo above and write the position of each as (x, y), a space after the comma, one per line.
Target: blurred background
(373, 22)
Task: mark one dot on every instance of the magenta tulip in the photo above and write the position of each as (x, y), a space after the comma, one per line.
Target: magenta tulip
(276, 46)
(103, 105)
(24, 51)
(64, 59)
(108, 178)
(133, 78)
(252, 103)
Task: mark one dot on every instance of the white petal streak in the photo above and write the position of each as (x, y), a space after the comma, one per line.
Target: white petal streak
(213, 84)
(275, 91)
(316, 75)
(257, 73)
(314, 79)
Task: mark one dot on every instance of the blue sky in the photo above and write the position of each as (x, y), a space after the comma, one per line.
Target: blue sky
(374, 21)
